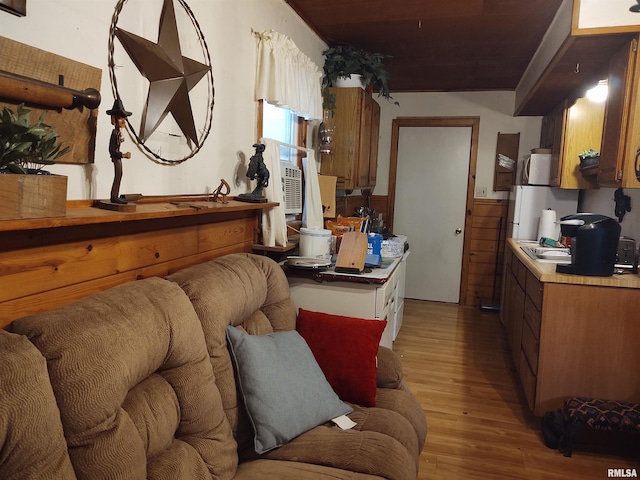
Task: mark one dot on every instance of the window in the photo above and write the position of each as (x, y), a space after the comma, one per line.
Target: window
(285, 126)
(280, 124)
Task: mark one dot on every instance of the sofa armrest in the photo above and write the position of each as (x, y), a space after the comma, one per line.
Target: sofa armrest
(389, 372)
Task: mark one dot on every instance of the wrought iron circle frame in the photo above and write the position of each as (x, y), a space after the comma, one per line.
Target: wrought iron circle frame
(211, 88)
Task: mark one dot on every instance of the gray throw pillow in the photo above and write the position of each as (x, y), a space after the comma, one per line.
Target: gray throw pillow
(285, 392)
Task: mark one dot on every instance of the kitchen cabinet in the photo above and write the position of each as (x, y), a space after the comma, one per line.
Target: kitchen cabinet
(378, 295)
(398, 304)
(569, 58)
(619, 156)
(551, 126)
(355, 140)
(569, 130)
(570, 335)
(513, 307)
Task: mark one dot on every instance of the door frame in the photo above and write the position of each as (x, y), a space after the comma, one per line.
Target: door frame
(474, 123)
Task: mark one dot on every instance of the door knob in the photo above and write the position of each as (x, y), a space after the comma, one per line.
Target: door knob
(458, 231)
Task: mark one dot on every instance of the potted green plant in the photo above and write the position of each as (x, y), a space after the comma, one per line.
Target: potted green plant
(27, 191)
(27, 148)
(345, 60)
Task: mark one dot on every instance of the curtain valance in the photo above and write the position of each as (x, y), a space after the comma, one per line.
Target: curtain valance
(286, 77)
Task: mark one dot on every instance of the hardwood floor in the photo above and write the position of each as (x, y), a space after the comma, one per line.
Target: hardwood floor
(456, 361)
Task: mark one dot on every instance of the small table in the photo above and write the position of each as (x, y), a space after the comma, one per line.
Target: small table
(376, 295)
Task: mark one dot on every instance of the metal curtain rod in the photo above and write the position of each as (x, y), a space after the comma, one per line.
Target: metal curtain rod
(297, 147)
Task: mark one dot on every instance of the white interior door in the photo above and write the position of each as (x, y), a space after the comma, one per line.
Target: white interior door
(430, 204)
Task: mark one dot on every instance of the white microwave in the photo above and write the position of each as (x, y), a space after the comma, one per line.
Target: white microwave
(537, 169)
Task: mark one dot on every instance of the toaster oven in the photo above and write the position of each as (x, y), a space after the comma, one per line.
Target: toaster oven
(627, 255)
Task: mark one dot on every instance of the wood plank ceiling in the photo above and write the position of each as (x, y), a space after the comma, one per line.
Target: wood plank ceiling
(438, 45)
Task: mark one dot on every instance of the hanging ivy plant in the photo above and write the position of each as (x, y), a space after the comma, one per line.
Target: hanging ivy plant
(346, 60)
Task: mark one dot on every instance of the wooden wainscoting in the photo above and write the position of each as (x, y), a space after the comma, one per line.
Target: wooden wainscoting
(486, 252)
(345, 206)
(47, 263)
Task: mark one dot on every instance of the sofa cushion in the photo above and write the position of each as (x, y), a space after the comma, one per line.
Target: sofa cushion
(362, 451)
(244, 290)
(346, 349)
(285, 392)
(402, 401)
(290, 470)
(135, 388)
(32, 443)
(389, 372)
(252, 292)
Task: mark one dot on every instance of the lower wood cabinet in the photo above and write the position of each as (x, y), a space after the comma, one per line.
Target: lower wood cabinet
(570, 339)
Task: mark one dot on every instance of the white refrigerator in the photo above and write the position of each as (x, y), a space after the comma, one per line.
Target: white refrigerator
(527, 201)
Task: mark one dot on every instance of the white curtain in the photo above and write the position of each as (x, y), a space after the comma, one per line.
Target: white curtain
(286, 77)
(312, 212)
(274, 223)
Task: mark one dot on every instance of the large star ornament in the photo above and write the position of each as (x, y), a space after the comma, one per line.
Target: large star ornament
(171, 76)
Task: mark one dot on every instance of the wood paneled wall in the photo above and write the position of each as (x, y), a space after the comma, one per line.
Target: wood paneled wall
(44, 268)
(486, 253)
(346, 205)
(488, 226)
(76, 127)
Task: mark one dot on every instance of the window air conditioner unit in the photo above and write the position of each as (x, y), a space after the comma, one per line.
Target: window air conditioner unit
(291, 187)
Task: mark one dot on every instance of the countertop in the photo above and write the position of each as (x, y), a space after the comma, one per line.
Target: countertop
(378, 275)
(546, 272)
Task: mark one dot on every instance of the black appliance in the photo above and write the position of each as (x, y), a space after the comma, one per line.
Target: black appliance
(594, 244)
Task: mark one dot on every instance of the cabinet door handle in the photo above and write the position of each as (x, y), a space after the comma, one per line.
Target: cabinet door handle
(458, 231)
(637, 165)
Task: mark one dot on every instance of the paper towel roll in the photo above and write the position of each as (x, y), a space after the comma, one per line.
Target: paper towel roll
(547, 227)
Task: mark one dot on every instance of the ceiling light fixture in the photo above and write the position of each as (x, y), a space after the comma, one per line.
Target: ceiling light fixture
(599, 93)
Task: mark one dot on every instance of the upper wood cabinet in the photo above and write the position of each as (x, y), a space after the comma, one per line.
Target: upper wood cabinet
(573, 54)
(551, 135)
(355, 150)
(619, 156)
(568, 131)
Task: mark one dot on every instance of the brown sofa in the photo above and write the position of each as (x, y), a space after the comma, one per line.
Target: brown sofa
(145, 388)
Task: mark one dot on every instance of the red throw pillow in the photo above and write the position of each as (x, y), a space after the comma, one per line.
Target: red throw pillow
(346, 349)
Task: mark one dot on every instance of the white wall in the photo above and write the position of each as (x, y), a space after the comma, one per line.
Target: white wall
(601, 201)
(495, 110)
(79, 29)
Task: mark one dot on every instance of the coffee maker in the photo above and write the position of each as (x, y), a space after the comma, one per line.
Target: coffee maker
(594, 244)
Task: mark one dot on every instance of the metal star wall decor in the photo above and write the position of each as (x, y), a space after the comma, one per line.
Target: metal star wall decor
(171, 77)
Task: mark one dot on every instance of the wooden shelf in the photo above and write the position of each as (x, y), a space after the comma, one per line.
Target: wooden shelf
(277, 249)
(84, 213)
(52, 262)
